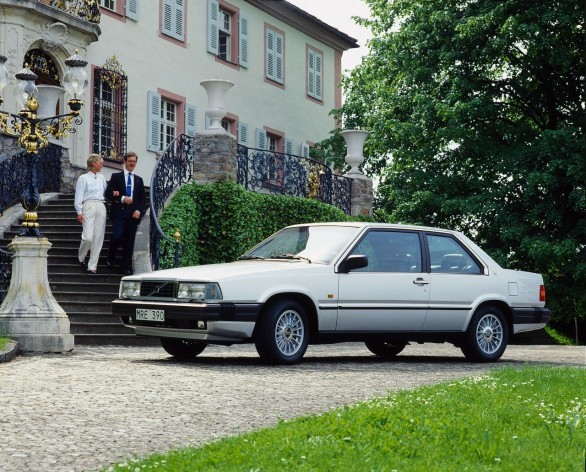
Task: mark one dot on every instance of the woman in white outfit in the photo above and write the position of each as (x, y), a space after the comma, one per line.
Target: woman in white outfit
(91, 212)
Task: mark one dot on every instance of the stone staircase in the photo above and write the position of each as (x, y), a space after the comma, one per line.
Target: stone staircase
(85, 298)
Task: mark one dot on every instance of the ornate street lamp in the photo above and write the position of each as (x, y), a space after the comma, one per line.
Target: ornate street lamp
(32, 131)
(29, 313)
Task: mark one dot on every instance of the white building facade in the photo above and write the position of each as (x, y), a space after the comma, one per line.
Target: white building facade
(146, 59)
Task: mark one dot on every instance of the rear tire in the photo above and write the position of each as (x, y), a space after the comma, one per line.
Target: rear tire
(282, 333)
(384, 349)
(183, 349)
(487, 336)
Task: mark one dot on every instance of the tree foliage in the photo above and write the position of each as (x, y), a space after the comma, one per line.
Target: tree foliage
(476, 114)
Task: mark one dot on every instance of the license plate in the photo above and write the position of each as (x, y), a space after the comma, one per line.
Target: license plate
(146, 314)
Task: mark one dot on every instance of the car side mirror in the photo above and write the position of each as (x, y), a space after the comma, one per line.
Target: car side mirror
(357, 261)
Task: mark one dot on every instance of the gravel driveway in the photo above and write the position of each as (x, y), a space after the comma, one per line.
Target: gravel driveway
(99, 405)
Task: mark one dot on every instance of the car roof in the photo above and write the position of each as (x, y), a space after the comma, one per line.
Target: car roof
(365, 224)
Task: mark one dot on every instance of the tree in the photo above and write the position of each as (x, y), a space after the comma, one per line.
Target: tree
(476, 114)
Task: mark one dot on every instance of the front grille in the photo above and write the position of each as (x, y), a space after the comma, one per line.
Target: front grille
(161, 289)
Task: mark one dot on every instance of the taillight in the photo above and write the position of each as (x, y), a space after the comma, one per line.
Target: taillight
(542, 293)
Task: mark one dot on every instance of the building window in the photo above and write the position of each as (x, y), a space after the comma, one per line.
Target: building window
(224, 36)
(109, 110)
(109, 4)
(173, 19)
(168, 116)
(275, 56)
(227, 33)
(168, 124)
(314, 74)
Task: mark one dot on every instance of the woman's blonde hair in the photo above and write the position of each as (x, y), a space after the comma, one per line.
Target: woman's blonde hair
(92, 159)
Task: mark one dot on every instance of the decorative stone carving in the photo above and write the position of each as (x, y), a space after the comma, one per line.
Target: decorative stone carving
(53, 35)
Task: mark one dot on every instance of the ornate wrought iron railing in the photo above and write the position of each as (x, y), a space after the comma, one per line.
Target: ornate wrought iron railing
(13, 175)
(85, 9)
(173, 169)
(285, 174)
(12, 183)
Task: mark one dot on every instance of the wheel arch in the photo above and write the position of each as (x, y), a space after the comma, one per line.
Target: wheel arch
(301, 298)
(503, 307)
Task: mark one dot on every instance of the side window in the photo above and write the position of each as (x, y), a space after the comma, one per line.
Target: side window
(448, 256)
(390, 251)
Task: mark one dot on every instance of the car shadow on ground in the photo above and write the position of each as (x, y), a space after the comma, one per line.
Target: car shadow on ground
(358, 361)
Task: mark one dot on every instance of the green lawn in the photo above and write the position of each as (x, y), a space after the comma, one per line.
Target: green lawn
(528, 419)
(3, 342)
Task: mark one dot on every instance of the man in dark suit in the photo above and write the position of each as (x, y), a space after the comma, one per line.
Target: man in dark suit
(125, 192)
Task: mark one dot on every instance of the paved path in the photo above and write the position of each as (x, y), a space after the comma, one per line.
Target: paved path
(99, 405)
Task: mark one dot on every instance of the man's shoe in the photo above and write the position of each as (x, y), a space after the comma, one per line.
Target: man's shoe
(83, 265)
(92, 272)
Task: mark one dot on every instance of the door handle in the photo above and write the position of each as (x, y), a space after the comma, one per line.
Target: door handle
(420, 281)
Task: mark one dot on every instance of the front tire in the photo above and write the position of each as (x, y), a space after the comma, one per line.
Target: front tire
(385, 350)
(183, 349)
(282, 333)
(487, 335)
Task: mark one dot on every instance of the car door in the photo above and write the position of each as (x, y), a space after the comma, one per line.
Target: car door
(392, 292)
(457, 280)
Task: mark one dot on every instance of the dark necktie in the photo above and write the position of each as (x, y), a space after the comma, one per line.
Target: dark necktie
(129, 186)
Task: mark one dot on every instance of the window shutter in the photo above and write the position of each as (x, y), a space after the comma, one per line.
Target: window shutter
(242, 133)
(288, 146)
(213, 15)
(318, 76)
(279, 71)
(153, 121)
(179, 20)
(190, 120)
(304, 150)
(261, 139)
(132, 9)
(270, 55)
(310, 73)
(243, 60)
(173, 18)
(168, 17)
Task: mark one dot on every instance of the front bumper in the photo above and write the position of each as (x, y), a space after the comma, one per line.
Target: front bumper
(212, 322)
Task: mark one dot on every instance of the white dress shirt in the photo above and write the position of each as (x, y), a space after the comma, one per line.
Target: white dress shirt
(89, 186)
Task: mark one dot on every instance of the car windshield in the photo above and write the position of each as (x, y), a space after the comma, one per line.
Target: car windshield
(318, 244)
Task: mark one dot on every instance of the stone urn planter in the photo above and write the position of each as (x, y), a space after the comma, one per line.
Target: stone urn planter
(355, 144)
(216, 90)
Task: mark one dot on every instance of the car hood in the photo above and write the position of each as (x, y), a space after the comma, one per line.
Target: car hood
(219, 272)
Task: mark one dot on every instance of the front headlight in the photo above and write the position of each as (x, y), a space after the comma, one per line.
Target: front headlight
(129, 289)
(198, 291)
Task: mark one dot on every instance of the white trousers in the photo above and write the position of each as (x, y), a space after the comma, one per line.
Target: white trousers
(94, 227)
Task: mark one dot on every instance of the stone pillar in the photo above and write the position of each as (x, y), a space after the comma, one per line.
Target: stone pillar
(30, 314)
(362, 197)
(215, 158)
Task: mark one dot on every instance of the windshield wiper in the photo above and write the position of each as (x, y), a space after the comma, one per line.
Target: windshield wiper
(290, 256)
(249, 257)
